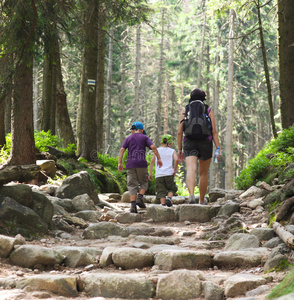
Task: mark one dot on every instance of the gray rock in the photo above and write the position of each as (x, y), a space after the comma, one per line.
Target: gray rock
(65, 203)
(106, 257)
(83, 202)
(263, 234)
(77, 184)
(62, 285)
(239, 284)
(126, 217)
(78, 256)
(212, 291)
(216, 193)
(60, 224)
(126, 197)
(104, 229)
(229, 208)
(180, 285)
(159, 213)
(28, 256)
(157, 240)
(7, 245)
(22, 218)
(253, 191)
(258, 291)
(161, 247)
(240, 258)
(273, 262)
(194, 213)
(141, 229)
(272, 243)
(21, 193)
(89, 215)
(239, 241)
(42, 206)
(177, 259)
(253, 204)
(112, 285)
(132, 258)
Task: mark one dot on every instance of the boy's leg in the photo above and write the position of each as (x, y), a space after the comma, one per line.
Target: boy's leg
(171, 188)
(132, 183)
(142, 175)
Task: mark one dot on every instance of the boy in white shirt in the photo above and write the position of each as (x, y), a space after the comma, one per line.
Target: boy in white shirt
(164, 176)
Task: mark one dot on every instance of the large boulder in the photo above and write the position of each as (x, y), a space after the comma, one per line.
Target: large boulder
(77, 184)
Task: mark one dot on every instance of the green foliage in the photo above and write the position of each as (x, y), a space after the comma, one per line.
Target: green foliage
(43, 139)
(284, 288)
(275, 155)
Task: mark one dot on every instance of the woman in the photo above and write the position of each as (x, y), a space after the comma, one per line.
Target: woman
(197, 149)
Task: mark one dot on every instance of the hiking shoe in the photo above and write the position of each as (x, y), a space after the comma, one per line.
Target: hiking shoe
(140, 203)
(168, 203)
(205, 202)
(133, 210)
(192, 199)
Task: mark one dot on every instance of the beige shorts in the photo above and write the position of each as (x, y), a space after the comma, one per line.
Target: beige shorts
(137, 178)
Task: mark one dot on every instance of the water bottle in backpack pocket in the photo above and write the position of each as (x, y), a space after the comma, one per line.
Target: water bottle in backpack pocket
(197, 124)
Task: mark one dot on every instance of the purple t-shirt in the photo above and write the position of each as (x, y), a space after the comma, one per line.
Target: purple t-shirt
(136, 144)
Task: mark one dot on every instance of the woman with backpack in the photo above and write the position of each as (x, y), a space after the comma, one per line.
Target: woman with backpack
(197, 123)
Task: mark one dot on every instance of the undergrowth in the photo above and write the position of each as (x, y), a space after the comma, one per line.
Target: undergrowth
(276, 155)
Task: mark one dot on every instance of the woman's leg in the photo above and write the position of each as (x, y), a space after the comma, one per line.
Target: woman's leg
(203, 178)
(191, 164)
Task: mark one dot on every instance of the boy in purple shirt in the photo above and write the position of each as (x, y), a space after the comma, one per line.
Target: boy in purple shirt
(137, 167)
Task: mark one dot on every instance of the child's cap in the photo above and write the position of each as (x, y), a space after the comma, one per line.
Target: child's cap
(137, 125)
(167, 139)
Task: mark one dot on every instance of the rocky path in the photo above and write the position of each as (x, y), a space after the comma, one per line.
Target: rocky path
(219, 251)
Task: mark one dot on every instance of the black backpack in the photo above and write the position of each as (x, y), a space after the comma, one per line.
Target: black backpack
(197, 124)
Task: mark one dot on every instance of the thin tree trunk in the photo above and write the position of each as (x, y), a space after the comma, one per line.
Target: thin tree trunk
(137, 72)
(286, 60)
(201, 48)
(123, 89)
(100, 77)
(229, 126)
(160, 83)
(266, 72)
(174, 115)
(36, 96)
(165, 127)
(63, 124)
(2, 122)
(108, 91)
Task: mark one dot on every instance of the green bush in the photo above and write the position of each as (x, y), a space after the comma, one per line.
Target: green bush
(276, 155)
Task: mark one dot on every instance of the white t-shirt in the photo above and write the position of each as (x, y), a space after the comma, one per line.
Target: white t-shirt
(167, 168)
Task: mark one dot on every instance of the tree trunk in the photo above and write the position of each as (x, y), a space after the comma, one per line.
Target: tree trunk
(266, 71)
(100, 76)
(229, 126)
(165, 126)
(108, 92)
(137, 73)
(160, 83)
(35, 98)
(123, 90)
(63, 124)
(22, 134)
(286, 60)
(87, 143)
(2, 123)
(49, 83)
(201, 48)
(285, 236)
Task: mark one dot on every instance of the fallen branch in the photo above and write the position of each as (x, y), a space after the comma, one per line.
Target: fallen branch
(285, 236)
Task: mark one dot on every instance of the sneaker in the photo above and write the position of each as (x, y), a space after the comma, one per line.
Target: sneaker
(140, 203)
(133, 210)
(205, 202)
(192, 199)
(168, 203)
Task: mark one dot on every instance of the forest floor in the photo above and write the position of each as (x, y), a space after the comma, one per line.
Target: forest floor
(178, 228)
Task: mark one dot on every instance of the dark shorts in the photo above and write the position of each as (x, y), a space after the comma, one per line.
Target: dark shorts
(200, 148)
(164, 185)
